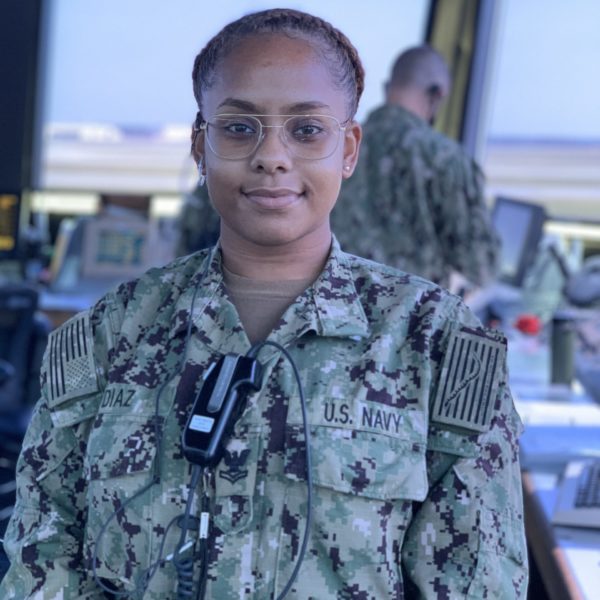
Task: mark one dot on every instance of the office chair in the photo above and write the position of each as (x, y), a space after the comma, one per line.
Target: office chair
(8, 497)
(18, 304)
(23, 336)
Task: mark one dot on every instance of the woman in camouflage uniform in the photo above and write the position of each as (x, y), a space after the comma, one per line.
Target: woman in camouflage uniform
(414, 487)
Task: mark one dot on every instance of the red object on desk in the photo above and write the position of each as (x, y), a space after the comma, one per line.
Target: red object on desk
(529, 324)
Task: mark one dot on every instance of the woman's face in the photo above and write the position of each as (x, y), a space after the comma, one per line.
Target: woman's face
(272, 198)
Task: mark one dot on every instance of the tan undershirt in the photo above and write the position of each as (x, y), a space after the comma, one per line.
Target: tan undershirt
(260, 304)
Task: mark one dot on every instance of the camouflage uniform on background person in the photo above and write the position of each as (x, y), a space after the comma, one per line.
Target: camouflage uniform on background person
(197, 223)
(415, 200)
(410, 493)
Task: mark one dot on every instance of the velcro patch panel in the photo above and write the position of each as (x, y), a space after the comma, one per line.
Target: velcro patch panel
(471, 373)
(71, 367)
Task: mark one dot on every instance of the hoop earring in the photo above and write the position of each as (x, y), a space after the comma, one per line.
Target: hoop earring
(201, 175)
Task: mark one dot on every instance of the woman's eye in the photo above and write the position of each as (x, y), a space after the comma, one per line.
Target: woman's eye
(235, 127)
(307, 131)
(239, 128)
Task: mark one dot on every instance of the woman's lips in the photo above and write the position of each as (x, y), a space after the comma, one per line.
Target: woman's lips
(272, 197)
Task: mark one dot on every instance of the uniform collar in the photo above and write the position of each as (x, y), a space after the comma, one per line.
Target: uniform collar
(330, 307)
(397, 112)
(340, 312)
(201, 289)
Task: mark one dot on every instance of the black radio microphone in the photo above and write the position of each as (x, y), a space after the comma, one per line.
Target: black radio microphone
(217, 406)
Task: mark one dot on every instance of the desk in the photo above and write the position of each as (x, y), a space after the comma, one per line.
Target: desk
(568, 559)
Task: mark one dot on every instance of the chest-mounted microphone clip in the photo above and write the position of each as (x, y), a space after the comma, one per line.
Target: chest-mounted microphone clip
(217, 406)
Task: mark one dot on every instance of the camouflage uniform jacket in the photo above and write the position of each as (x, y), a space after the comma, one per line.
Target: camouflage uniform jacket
(412, 498)
(416, 202)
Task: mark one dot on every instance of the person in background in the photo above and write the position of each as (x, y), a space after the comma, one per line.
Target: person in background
(372, 452)
(416, 201)
(197, 223)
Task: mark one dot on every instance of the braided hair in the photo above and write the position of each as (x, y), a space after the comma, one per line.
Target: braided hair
(340, 55)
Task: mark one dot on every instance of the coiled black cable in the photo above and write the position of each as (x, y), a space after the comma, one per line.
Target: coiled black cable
(185, 567)
(203, 550)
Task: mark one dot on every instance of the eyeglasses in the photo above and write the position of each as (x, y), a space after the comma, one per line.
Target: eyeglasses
(311, 137)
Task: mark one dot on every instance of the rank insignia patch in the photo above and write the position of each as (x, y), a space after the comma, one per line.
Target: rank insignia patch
(469, 381)
(71, 365)
(234, 462)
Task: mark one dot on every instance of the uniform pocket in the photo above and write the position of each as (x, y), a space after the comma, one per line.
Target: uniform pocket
(364, 486)
(359, 463)
(120, 456)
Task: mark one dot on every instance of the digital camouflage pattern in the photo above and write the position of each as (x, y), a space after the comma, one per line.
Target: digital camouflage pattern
(415, 202)
(198, 223)
(405, 505)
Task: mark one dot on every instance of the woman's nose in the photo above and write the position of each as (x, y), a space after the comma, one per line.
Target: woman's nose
(272, 153)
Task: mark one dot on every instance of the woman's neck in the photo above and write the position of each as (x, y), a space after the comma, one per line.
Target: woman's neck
(295, 260)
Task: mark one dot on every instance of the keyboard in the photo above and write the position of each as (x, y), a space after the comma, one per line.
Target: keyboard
(578, 501)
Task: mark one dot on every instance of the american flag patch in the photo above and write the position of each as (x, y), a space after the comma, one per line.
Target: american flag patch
(471, 372)
(71, 369)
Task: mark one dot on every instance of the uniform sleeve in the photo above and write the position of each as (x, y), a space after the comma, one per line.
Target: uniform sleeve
(469, 240)
(467, 538)
(44, 538)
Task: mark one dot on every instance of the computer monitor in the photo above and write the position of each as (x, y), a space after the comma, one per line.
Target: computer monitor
(10, 205)
(116, 249)
(520, 227)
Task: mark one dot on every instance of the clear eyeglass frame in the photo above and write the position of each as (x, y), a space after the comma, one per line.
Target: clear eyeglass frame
(250, 146)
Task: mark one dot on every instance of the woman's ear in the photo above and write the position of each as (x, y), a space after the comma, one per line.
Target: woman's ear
(352, 138)
(197, 144)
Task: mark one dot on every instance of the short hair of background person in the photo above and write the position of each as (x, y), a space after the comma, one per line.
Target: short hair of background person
(419, 81)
